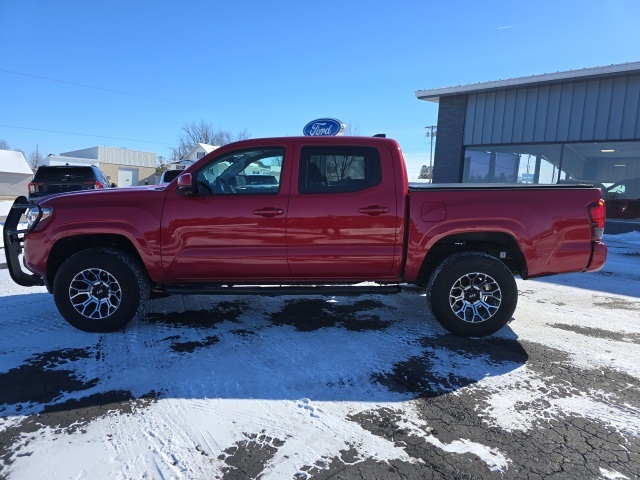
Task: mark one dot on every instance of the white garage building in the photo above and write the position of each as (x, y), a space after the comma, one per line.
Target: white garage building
(124, 167)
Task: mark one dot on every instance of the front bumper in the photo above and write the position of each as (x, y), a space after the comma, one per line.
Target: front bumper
(13, 243)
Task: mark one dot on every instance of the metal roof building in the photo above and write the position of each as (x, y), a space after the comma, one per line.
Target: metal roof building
(579, 125)
(15, 173)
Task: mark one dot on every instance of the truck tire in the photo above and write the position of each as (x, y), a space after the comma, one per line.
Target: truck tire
(100, 289)
(472, 294)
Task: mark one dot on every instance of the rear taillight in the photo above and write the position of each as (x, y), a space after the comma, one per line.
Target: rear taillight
(92, 185)
(34, 187)
(597, 214)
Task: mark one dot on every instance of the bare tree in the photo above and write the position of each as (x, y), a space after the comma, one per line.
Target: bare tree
(203, 132)
(352, 130)
(162, 164)
(340, 167)
(4, 145)
(35, 158)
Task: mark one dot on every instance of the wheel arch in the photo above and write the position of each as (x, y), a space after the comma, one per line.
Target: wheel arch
(500, 245)
(68, 246)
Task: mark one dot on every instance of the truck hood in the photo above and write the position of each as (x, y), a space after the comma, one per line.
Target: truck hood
(107, 196)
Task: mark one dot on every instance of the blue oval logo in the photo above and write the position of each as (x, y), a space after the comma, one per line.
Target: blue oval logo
(324, 127)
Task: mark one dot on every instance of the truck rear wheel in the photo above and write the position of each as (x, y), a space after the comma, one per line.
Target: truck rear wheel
(472, 294)
(100, 289)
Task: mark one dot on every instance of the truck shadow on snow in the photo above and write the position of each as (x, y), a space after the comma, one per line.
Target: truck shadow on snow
(349, 349)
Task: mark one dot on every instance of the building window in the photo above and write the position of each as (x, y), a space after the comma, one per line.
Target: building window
(613, 166)
(512, 164)
(603, 162)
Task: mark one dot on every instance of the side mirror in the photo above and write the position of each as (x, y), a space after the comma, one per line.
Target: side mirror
(185, 185)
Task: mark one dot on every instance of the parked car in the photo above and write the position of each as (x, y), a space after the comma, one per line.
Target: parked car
(623, 199)
(342, 214)
(168, 176)
(50, 180)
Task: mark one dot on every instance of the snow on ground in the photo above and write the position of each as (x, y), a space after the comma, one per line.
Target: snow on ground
(5, 206)
(213, 374)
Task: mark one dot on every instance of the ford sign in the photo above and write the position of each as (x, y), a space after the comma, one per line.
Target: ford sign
(324, 127)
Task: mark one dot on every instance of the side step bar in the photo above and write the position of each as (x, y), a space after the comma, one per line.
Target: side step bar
(325, 290)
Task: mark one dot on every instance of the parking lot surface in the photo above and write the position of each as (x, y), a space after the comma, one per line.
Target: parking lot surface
(313, 387)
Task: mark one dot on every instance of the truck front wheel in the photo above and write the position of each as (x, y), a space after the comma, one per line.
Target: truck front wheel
(100, 289)
(472, 294)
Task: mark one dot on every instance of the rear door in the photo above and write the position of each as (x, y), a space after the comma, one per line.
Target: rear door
(343, 221)
(225, 230)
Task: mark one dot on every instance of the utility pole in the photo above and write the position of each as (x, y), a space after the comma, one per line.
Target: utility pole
(431, 133)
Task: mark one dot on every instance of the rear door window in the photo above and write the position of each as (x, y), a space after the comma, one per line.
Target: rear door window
(339, 169)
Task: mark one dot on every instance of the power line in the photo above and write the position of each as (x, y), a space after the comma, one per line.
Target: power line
(140, 95)
(84, 134)
(122, 92)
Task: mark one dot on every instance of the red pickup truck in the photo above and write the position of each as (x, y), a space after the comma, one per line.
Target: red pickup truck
(340, 212)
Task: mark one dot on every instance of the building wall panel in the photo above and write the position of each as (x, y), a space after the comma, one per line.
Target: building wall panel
(530, 109)
(469, 118)
(617, 107)
(498, 117)
(542, 107)
(479, 116)
(630, 113)
(590, 109)
(564, 113)
(553, 110)
(593, 110)
(489, 112)
(519, 115)
(509, 112)
(577, 110)
(603, 109)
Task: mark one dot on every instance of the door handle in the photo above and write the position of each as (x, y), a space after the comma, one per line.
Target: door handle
(268, 212)
(374, 210)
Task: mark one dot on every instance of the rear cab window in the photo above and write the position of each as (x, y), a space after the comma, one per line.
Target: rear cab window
(338, 169)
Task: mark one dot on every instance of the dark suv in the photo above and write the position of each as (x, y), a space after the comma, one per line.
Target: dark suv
(66, 178)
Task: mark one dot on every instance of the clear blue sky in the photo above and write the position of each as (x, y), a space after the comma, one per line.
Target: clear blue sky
(132, 73)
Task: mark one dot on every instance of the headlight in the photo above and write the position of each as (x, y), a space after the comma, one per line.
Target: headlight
(33, 213)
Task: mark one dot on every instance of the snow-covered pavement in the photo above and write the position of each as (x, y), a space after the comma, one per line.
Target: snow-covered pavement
(288, 387)
(5, 206)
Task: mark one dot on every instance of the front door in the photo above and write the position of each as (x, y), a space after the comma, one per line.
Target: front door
(230, 228)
